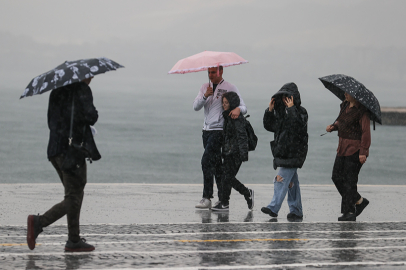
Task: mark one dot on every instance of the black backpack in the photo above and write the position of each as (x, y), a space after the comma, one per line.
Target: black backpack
(252, 138)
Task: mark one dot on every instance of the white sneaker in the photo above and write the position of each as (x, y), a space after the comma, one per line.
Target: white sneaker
(204, 204)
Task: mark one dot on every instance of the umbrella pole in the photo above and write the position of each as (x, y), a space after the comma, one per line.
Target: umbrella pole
(338, 117)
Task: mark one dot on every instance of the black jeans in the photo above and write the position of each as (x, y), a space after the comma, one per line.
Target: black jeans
(231, 165)
(211, 161)
(345, 178)
(74, 183)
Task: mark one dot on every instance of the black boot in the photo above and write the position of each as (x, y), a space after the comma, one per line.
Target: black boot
(360, 207)
(347, 217)
(79, 246)
(268, 211)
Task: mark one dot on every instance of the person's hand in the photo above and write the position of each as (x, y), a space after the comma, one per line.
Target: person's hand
(235, 113)
(209, 92)
(329, 128)
(272, 104)
(288, 101)
(362, 159)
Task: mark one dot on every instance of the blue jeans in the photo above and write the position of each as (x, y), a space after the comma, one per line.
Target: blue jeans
(289, 175)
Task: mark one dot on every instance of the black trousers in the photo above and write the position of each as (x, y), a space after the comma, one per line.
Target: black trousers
(345, 178)
(74, 183)
(231, 165)
(211, 161)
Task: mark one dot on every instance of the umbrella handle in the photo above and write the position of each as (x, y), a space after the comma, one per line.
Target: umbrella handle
(323, 134)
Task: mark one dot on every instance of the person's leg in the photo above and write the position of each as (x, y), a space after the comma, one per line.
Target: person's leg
(74, 192)
(338, 177)
(352, 167)
(74, 183)
(237, 185)
(281, 186)
(294, 197)
(58, 210)
(210, 159)
(228, 174)
(218, 174)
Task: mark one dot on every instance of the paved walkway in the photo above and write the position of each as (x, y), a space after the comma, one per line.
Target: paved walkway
(156, 227)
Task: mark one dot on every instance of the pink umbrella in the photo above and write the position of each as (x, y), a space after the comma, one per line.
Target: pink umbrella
(205, 60)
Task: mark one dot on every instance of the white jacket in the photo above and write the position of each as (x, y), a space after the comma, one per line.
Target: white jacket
(213, 109)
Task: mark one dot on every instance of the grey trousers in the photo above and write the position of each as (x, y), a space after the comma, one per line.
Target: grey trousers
(74, 183)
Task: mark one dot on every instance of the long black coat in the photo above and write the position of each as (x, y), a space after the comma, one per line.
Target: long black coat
(59, 117)
(289, 125)
(235, 136)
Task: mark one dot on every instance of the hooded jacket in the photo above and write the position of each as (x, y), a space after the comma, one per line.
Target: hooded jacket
(289, 126)
(59, 117)
(235, 135)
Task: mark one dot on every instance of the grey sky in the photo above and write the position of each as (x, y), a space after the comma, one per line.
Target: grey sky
(293, 40)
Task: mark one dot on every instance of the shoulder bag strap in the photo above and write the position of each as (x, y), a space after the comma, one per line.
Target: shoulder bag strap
(71, 123)
(71, 120)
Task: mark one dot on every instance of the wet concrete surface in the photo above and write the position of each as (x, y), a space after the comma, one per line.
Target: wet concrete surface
(157, 227)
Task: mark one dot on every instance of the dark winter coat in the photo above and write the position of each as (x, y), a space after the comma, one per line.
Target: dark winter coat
(235, 135)
(289, 125)
(59, 117)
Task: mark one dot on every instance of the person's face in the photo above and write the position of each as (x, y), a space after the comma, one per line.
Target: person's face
(88, 80)
(349, 98)
(213, 75)
(226, 105)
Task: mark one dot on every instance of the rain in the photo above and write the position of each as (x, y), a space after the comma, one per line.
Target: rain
(138, 208)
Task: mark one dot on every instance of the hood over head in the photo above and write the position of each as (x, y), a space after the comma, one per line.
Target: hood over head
(233, 99)
(288, 89)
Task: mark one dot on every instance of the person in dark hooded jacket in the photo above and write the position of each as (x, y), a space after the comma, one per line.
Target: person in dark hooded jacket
(234, 152)
(288, 121)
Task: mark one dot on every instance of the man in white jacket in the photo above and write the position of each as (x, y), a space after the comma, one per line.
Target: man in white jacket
(209, 97)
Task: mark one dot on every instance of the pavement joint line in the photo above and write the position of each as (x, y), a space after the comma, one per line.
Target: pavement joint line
(204, 233)
(174, 252)
(186, 184)
(223, 223)
(279, 266)
(214, 240)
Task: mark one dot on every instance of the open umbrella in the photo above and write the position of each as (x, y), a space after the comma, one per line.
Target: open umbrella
(205, 60)
(339, 83)
(68, 73)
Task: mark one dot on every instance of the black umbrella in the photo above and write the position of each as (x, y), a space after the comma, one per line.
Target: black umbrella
(68, 73)
(339, 83)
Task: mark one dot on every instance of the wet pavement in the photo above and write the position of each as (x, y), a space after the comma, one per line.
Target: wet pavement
(157, 227)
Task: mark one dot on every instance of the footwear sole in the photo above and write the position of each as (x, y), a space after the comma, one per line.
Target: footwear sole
(30, 232)
(79, 249)
(220, 210)
(349, 219)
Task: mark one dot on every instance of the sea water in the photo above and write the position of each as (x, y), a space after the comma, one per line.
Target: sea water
(155, 137)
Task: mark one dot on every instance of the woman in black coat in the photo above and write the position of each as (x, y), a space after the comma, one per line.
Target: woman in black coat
(234, 152)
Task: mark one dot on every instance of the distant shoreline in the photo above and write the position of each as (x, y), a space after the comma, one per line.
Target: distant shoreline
(394, 116)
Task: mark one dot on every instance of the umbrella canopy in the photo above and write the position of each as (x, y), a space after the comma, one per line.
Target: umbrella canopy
(339, 83)
(68, 73)
(205, 60)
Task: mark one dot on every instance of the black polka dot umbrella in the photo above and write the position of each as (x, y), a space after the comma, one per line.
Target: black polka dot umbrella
(339, 83)
(67, 73)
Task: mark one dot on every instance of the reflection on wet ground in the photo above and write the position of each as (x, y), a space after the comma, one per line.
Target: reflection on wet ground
(214, 243)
